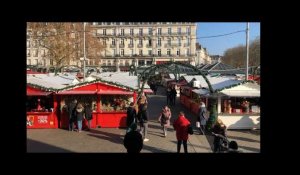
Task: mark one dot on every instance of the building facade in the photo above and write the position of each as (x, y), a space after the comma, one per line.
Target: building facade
(202, 56)
(138, 43)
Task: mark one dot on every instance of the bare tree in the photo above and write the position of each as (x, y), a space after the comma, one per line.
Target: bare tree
(236, 56)
(64, 41)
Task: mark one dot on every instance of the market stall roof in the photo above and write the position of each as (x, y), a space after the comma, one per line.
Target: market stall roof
(122, 78)
(216, 82)
(201, 91)
(243, 90)
(51, 81)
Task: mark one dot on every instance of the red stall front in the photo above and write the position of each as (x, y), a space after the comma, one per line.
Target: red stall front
(40, 108)
(108, 101)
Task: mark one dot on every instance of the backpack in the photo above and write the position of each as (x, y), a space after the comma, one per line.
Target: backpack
(190, 130)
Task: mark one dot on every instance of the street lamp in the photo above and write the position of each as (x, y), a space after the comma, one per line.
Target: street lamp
(84, 52)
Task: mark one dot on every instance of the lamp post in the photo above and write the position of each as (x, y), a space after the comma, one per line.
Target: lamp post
(84, 52)
(247, 46)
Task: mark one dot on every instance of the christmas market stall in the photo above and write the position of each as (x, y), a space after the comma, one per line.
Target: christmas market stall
(41, 103)
(238, 100)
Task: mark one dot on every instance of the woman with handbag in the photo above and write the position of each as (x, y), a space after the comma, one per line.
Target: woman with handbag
(201, 119)
(164, 119)
(181, 125)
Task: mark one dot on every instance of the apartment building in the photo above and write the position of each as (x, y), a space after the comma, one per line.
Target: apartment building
(146, 43)
(138, 43)
(202, 56)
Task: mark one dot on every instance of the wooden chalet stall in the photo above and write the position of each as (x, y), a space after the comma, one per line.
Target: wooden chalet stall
(40, 111)
(42, 102)
(108, 101)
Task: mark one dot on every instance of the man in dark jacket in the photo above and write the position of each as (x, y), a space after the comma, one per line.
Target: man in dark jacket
(88, 115)
(133, 140)
(143, 119)
(131, 115)
(72, 114)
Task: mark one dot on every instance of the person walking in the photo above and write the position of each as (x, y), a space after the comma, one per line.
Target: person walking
(72, 114)
(164, 119)
(181, 126)
(133, 140)
(143, 119)
(88, 115)
(201, 118)
(131, 116)
(79, 116)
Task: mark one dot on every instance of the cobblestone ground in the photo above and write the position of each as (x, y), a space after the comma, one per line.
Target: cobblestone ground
(110, 140)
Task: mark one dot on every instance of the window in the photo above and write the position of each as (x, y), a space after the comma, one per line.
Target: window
(159, 52)
(36, 62)
(104, 31)
(131, 32)
(178, 52)
(140, 41)
(122, 32)
(141, 62)
(113, 31)
(28, 52)
(122, 52)
(150, 52)
(35, 53)
(141, 52)
(113, 42)
(159, 31)
(104, 42)
(150, 42)
(28, 43)
(28, 61)
(179, 30)
(169, 41)
(159, 42)
(108, 62)
(43, 53)
(179, 42)
(131, 52)
(131, 41)
(169, 52)
(114, 52)
(126, 63)
(121, 63)
(169, 31)
(187, 51)
(188, 30)
(141, 31)
(188, 41)
(149, 63)
(122, 41)
(51, 62)
(150, 31)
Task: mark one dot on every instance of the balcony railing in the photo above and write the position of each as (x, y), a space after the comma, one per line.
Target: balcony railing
(140, 45)
(149, 45)
(121, 45)
(187, 44)
(112, 46)
(130, 45)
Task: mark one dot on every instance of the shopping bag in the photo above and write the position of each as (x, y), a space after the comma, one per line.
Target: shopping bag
(198, 124)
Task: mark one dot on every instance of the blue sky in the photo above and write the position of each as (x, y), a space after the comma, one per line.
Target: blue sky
(217, 45)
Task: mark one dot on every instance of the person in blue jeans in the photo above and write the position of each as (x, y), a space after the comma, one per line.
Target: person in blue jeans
(79, 116)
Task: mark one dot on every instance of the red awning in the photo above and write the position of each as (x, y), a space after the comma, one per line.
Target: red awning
(38, 93)
(115, 92)
(76, 92)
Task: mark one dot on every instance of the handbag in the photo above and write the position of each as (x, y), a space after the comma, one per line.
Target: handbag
(190, 130)
(198, 124)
